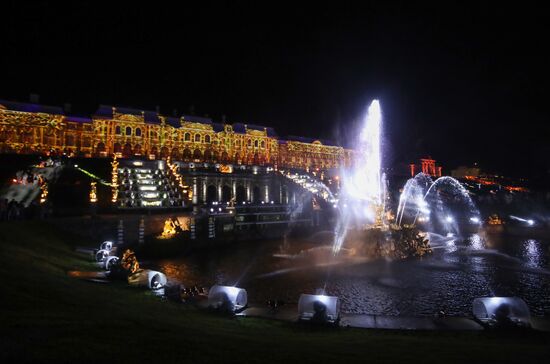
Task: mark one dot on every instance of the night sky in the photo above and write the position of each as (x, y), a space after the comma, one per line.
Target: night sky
(462, 82)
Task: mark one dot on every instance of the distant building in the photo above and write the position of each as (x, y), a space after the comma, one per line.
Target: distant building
(427, 166)
(464, 171)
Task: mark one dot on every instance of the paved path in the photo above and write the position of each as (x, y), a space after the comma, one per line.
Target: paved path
(289, 313)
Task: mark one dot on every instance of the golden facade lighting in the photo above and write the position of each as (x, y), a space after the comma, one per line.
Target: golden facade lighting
(127, 135)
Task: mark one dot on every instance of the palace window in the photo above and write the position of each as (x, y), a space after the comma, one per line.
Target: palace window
(263, 144)
(207, 138)
(138, 132)
(197, 138)
(69, 140)
(187, 137)
(128, 130)
(255, 144)
(117, 130)
(249, 143)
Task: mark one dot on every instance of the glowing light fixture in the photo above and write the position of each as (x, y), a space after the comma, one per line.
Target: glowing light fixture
(319, 308)
(227, 298)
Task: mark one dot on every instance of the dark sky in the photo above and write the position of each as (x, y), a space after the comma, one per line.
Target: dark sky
(462, 82)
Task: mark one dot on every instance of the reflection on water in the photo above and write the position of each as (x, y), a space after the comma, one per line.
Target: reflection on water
(458, 271)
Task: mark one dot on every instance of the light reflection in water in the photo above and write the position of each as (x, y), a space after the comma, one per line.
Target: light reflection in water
(532, 252)
(476, 242)
(449, 279)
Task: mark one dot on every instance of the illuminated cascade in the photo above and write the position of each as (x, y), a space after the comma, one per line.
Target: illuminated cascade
(312, 185)
(114, 179)
(149, 184)
(93, 192)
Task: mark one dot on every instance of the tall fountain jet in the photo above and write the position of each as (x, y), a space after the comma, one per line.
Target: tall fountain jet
(362, 222)
(362, 195)
(364, 182)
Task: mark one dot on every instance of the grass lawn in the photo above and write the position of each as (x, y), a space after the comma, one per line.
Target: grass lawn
(47, 316)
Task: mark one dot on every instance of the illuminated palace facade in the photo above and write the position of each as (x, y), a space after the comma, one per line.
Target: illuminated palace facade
(32, 128)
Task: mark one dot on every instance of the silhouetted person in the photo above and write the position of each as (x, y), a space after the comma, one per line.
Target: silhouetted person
(226, 305)
(502, 317)
(320, 312)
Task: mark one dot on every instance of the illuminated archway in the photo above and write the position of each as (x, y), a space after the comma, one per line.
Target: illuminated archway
(211, 194)
(197, 155)
(256, 196)
(117, 148)
(127, 152)
(100, 148)
(187, 154)
(164, 152)
(226, 193)
(241, 194)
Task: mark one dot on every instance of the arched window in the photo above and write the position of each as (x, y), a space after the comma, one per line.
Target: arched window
(138, 132)
(117, 130)
(255, 144)
(197, 138)
(207, 138)
(187, 137)
(249, 143)
(128, 130)
(263, 144)
(69, 140)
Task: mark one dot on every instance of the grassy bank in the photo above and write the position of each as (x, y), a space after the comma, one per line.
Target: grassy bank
(48, 317)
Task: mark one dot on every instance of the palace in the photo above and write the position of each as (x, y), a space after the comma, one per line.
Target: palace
(125, 132)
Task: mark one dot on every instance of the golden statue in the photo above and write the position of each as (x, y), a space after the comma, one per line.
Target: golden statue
(129, 261)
